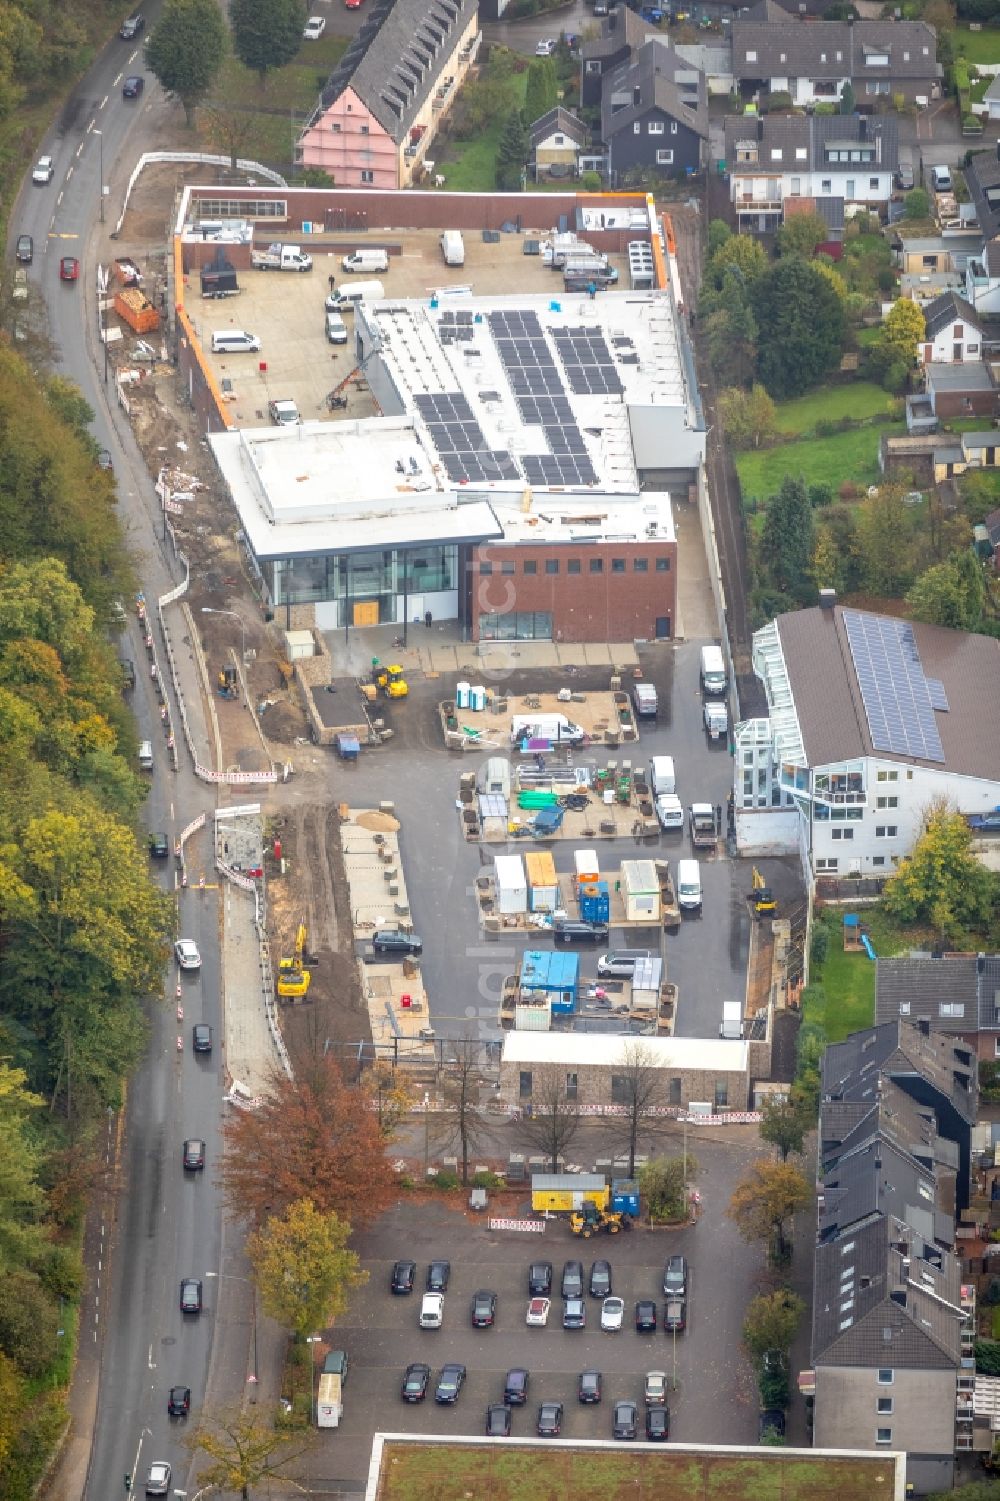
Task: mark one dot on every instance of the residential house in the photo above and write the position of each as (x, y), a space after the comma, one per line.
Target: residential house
(654, 114)
(384, 104)
(871, 719)
(557, 138)
(774, 52)
(953, 333)
(623, 32)
(962, 390)
(775, 160)
(982, 178)
(991, 99)
(957, 994)
(982, 278)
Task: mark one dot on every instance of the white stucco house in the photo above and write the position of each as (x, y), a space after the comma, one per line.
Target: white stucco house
(953, 332)
(871, 721)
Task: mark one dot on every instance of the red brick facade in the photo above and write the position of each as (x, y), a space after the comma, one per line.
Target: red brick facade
(607, 591)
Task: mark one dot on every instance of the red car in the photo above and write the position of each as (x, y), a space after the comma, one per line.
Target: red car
(69, 268)
(353, 4)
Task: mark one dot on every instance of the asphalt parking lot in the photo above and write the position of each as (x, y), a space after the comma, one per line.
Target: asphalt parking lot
(714, 1400)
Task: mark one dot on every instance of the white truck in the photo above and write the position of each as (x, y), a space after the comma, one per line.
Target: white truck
(555, 728)
(281, 258)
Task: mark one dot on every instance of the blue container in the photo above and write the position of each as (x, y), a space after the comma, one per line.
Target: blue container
(596, 907)
(625, 1196)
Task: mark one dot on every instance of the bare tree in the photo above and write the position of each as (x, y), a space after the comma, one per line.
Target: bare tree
(639, 1089)
(464, 1123)
(553, 1122)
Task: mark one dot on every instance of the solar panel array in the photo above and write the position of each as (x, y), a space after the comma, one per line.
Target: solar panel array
(455, 327)
(460, 440)
(899, 700)
(541, 400)
(587, 361)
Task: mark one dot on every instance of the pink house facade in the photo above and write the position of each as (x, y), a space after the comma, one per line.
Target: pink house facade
(381, 109)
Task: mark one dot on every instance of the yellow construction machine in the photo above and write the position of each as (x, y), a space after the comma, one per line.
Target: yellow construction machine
(392, 682)
(591, 1221)
(293, 977)
(761, 897)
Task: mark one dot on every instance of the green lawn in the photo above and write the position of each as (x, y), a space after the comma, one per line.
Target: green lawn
(867, 336)
(845, 457)
(294, 87)
(848, 979)
(453, 1472)
(472, 168)
(859, 399)
(978, 46)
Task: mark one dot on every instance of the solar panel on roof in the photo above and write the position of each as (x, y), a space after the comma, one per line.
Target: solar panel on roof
(899, 701)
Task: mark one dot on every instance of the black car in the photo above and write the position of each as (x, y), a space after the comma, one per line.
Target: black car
(572, 1279)
(194, 1154)
(674, 1316)
(132, 26)
(645, 1316)
(190, 1295)
(402, 1276)
(132, 87)
(179, 1401)
(450, 1383)
(437, 1276)
(574, 1314)
(515, 1388)
(568, 931)
(657, 1424)
(415, 1380)
(484, 1309)
(600, 1279)
(497, 1421)
(675, 1277)
(159, 846)
(771, 1426)
(625, 1423)
(539, 1279)
(550, 1419)
(25, 251)
(589, 1388)
(391, 941)
(201, 1037)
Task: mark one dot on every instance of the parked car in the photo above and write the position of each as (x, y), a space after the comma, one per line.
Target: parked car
(415, 1379)
(985, 823)
(437, 1276)
(25, 250)
(69, 268)
(314, 28)
(132, 26)
(158, 1478)
(572, 1279)
(589, 1386)
(612, 1314)
(771, 1426)
(655, 1390)
(43, 170)
(186, 953)
(625, 1420)
(431, 1311)
(657, 1424)
(283, 412)
(645, 1316)
(194, 1154)
(497, 1416)
(574, 1314)
(515, 1388)
(538, 1312)
(391, 941)
(201, 1037)
(402, 1276)
(545, 46)
(675, 1277)
(159, 846)
(484, 1309)
(450, 1383)
(550, 1419)
(133, 86)
(568, 930)
(674, 1316)
(539, 1279)
(600, 1279)
(191, 1295)
(179, 1402)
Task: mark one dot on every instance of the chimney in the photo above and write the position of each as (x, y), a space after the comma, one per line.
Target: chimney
(637, 96)
(899, 1296)
(981, 958)
(827, 599)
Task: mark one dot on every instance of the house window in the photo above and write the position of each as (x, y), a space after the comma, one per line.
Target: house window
(640, 565)
(572, 1084)
(530, 566)
(751, 56)
(887, 802)
(367, 175)
(842, 833)
(572, 565)
(878, 859)
(619, 1089)
(885, 830)
(335, 127)
(996, 1047)
(673, 127)
(884, 1377)
(721, 1094)
(887, 776)
(826, 186)
(617, 565)
(597, 565)
(551, 565)
(507, 567)
(954, 1009)
(776, 154)
(883, 1435)
(663, 565)
(524, 1086)
(796, 186)
(593, 67)
(664, 158)
(655, 127)
(637, 128)
(365, 130)
(873, 184)
(877, 86)
(559, 140)
(485, 569)
(830, 863)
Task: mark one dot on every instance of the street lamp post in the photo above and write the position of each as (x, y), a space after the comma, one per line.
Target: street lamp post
(229, 1277)
(210, 610)
(312, 1339)
(100, 136)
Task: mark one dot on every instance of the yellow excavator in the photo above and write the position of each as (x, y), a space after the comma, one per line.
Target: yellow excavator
(593, 1220)
(761, 897)
(293, 977)
(391, 681)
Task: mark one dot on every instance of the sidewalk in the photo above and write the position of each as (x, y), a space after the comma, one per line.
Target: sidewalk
(439, 650)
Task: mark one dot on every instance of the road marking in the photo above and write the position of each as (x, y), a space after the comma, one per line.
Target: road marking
(151, 1361)
(79, 148)
(91, 126)
(104, 101)
(118, 80)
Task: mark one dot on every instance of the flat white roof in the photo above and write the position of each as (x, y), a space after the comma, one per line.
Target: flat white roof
(598, 1048)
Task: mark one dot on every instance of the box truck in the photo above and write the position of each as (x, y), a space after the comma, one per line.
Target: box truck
(453, 247)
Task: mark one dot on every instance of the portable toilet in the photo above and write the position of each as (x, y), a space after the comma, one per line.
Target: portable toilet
(640, 891)
(543, 887)
(586, 867)
(477, 698)
(511, 886)
(595, 902)
(461, 695)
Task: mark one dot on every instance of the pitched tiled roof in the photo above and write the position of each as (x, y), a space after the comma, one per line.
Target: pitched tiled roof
(982, 177)
(656, 78)
(947, 309)
(833, 49)
(622, 28)
(789, 142)
(830, 709)
(899, 1050)
(562, 120)
(958, 994)
(395, 61)
(884, 1296)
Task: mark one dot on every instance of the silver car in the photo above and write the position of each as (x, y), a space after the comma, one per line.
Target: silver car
(186, 954)
(158, 1478)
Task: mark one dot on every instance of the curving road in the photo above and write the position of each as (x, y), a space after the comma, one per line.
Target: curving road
(134, 1340)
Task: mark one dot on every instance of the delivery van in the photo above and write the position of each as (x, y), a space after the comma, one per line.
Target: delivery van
(713, 671)
(145, 755)
(453, 247)
(553, 727)
(336, 329)
(661, 775)
(366, 260)
(347, 298)
(234, 341)
(689, 885)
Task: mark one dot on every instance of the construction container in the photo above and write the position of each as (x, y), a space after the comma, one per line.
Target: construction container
(732, 1020)
(137, 310)
(511, 885)
(625, 1196)
(595, 902)
(562, 1193)
(534, 1018)
(587, 869)
(299, 644)
(496, 777)
(640, 891)
(646, 978)
(329, 1401)
(555, 975)
(543, 886)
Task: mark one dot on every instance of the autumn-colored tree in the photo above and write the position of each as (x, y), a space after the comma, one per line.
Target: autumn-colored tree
(941, 882)
(765, 1201)
(903, 330)
(801, 233)
(885, 542)
(742, 253)
(312, 1137)
(391, 1095)
(827, 566)
(302, 1268)
(244, 1448)
(952, 593)
(554, 1120)
(750, 417)
(771, 1321)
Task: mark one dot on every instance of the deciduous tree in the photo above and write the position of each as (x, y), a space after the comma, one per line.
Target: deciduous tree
(312, 1137)
(802, 323)
(463, 1123)
(801, 233)
(903, 330)
(302, 1267)
(952, 593)
(827, 566)
(244, 1449)
(638, 1085)
(771, 1321)
(885, 550)
(542, 89)
(765, 1202)
(266, 33)
(391, 1096)
(784, 1123)
(749, 416)
(663, 1182)
(553, 1122)
(186, 49)
(942, 882)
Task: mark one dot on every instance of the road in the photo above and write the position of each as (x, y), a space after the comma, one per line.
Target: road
(170, 1223)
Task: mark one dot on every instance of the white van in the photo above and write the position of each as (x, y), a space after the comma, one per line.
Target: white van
(431, 1311)
(366, 260)
(336, 329)
(553, 727)
(345, 299)
(453, 247)
(145, 755)
(716, 717)
(689, 885)
(713, 670)
(234, 341)
(661, 775)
